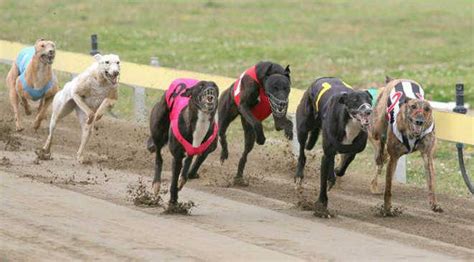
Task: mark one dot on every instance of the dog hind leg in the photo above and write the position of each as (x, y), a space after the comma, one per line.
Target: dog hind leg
(60, 110)
(249, 143)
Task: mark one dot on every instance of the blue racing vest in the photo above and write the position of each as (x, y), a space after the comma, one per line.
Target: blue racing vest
(22, 61)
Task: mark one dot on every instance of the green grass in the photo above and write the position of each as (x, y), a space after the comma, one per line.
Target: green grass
(361, 41)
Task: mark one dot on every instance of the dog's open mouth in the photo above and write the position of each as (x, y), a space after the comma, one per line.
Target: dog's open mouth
(417, 129)
(278, 106)
(47, 58)
(113, 78)
(363, 115)
(208, 100)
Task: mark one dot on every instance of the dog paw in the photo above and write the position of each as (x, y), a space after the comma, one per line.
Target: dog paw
(374, 188)
(182, 181)
(224, 155)
(19, 128)
(239, 181)
(321, 210)
(42, 154)
(90, 118)
(156, 188)
(389, 211)
(436, 208)
(193, 176)
(84, 161)
(261, 140)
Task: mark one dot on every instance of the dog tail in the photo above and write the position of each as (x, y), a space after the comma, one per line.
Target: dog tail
(150, 145)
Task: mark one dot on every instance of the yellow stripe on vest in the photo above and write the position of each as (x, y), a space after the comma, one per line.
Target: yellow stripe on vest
(348, 86)
(326, 86)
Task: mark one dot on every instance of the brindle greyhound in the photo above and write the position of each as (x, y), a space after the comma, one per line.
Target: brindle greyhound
(343, 114)
(31, 78)
(260, 91)
(184, 117)
(403, 121)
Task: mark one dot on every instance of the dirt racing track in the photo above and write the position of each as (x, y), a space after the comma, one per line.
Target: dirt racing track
(61, 210)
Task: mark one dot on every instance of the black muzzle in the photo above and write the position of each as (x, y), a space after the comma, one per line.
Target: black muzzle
(278, 106)
(207, 99)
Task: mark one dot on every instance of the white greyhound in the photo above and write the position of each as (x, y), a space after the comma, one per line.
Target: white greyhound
(90, 94)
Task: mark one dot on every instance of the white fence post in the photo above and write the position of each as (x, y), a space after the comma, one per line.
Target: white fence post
(401, 171)
(139, 95)
(295, 145)
(139, 103)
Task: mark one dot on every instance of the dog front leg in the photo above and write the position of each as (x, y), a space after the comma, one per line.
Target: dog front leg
(321, 206)
(184, 174)
(249, 143)
(42, 112)
(200, 159)
(177, 165)
(392, 165)
(82, 105)
(430, 180)
(253, 123)
(379, 157)
(285, 124)
(107, 104)
(14, 101)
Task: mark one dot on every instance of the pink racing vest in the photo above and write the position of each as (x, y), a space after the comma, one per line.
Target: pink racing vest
(176, 103)
(261, 110)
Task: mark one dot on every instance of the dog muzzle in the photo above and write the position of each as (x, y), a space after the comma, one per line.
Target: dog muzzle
(208, 100)
(278, 106)
(362, 115)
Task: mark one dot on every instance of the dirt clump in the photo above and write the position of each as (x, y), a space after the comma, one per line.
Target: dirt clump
(180, 208)
(5, 161)
(139, 195)
(12, 142)
(393, 212)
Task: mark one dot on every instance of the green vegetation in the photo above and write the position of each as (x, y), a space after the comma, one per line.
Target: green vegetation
(360, 41)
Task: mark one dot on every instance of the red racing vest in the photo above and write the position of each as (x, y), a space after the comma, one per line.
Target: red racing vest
(261, 110)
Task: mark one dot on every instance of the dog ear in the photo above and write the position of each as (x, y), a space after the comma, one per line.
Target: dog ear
(97, 57)
(370, 95)
(287, 70)
(342, 98)
(188, 92)
(388, 79)
(39, 39)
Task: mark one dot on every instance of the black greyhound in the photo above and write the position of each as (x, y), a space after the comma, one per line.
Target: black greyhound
(184, 117)
(260, 91)
(344, 116)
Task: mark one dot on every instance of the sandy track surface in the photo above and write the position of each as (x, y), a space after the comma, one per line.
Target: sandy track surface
(59, 209)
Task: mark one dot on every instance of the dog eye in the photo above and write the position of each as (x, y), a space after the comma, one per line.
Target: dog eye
(413, 106)
(107, 62)
(118, 63)
(427, 109)
(42, 45)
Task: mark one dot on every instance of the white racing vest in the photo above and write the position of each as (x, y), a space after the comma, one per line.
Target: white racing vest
(398, 96)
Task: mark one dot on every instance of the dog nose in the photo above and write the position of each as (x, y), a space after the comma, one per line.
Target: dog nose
(115, 73)
(51, 52)
(419, 122)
